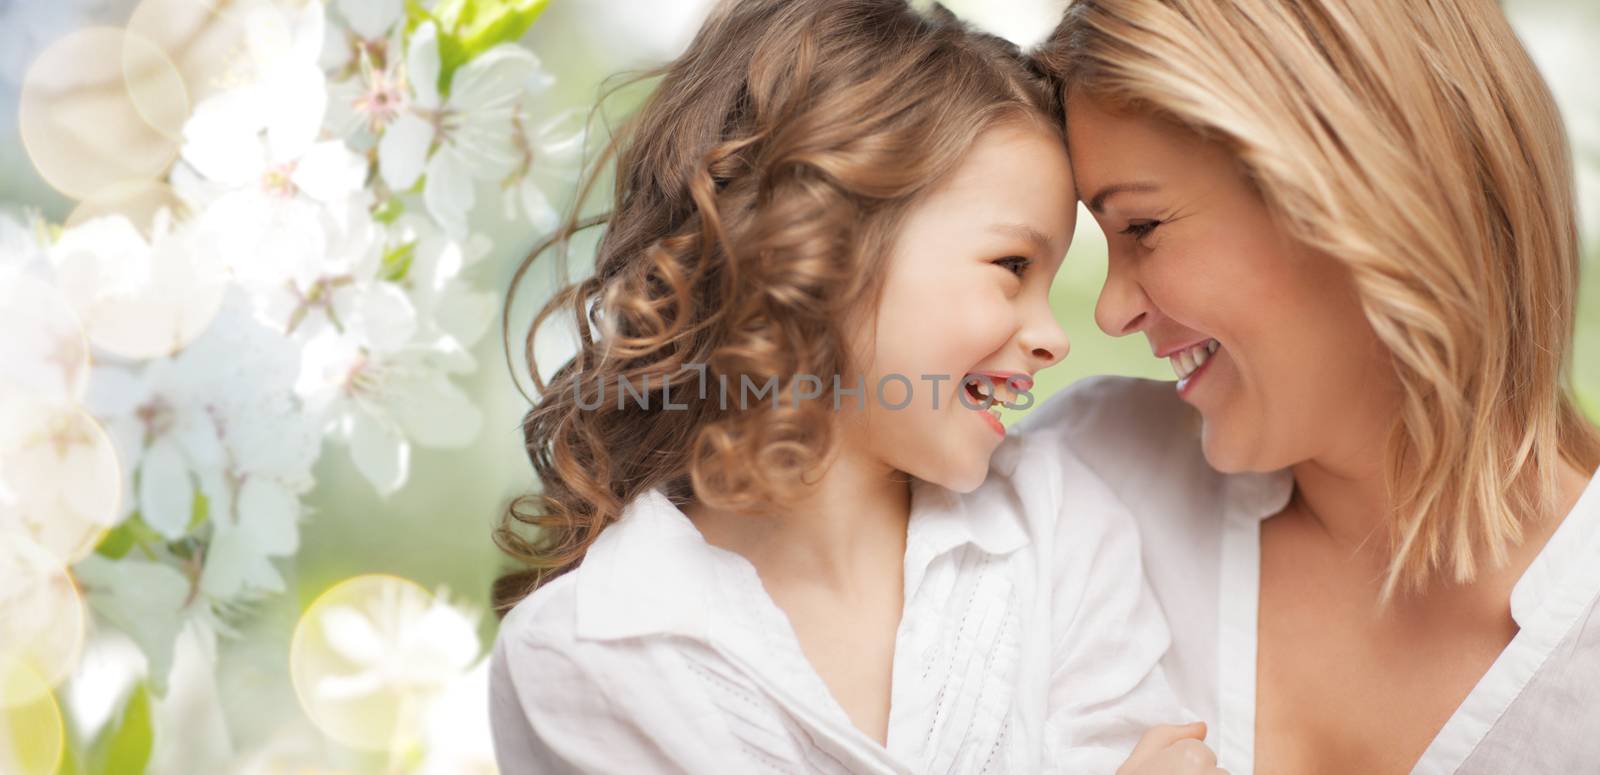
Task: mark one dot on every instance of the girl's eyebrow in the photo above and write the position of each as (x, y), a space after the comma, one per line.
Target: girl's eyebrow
(1024, 232)
(1097, 202)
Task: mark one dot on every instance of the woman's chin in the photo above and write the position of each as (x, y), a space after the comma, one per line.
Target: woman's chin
(1232, 455)
(1220, 452)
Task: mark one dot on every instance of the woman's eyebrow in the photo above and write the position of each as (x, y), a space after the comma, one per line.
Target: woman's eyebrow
(1097, 202)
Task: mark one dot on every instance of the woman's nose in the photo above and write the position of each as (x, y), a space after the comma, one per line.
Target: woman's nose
(1123, 307)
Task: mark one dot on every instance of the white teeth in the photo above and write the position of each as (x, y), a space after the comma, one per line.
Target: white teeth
(1187, 361)
(999, 392)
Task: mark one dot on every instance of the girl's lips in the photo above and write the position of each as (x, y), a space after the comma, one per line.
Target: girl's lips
(993, 422)
(1002, 387)
(1017, 380)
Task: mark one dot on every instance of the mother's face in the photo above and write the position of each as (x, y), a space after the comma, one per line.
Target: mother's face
(1266, 335)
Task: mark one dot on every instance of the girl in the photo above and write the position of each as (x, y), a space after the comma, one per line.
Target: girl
(763, 543)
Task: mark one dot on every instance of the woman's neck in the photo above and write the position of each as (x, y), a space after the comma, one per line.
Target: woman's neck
(1349, 500)
(846, 520)
(1350, 503)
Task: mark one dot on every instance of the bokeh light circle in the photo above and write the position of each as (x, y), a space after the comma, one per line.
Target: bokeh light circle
(136, 200)
(42, 620)
(388, 716)
(44, 350)
(60, 478)
(98, 107)
(32, 736)
(204, 39)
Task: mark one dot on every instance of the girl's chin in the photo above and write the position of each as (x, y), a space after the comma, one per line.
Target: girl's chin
(963, 479)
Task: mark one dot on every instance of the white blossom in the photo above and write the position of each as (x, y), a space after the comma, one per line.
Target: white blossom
(550, 152)
(383, 392)
(218, 420)
(139, 298)
(453, 142)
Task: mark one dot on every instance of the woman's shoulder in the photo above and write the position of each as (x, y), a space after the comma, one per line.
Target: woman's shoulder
(1116, 416)
(1072, 456)
(1137, 438)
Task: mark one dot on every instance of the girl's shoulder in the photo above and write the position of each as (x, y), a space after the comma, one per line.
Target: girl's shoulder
(545, 620)
(648, 573)
(564, 698)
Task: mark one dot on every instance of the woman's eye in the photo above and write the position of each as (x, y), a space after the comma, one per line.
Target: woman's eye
(1016, 264)
(1141, 229)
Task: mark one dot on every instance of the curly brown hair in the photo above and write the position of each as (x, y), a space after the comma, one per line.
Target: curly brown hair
(757, 192)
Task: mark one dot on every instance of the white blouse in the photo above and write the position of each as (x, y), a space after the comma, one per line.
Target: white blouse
(1028, 643)
(1536, 710)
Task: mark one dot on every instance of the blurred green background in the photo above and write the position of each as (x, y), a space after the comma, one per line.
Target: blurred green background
(436, 529)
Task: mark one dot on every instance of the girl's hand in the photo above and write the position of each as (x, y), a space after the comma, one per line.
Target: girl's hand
(1172, 750)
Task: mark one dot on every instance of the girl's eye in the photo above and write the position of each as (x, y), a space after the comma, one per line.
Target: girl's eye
(1141, 229)
(1016, 264)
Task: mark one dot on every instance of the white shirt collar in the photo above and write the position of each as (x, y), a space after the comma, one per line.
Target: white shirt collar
(1571, 554)
(652, 572)
(942, 520)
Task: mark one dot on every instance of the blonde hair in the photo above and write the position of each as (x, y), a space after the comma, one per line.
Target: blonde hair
(1417, 143)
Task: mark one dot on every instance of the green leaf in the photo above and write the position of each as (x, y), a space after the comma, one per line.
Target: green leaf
(389, 210)
(117, 542)
(397, 262)
(468, 28)
(492, 22)
(198, 512)
(124, 748)
(130, 533)
(415, 15)
(451, 56)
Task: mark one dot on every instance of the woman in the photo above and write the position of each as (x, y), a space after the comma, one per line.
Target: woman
(1369, 507)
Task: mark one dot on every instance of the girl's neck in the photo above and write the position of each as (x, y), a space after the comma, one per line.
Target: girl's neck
(838, 532)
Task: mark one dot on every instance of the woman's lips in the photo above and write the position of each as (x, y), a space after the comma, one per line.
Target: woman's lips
(1193, 363)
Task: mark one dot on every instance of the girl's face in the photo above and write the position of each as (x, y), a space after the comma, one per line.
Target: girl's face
(1266, 336)
(967, 294)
